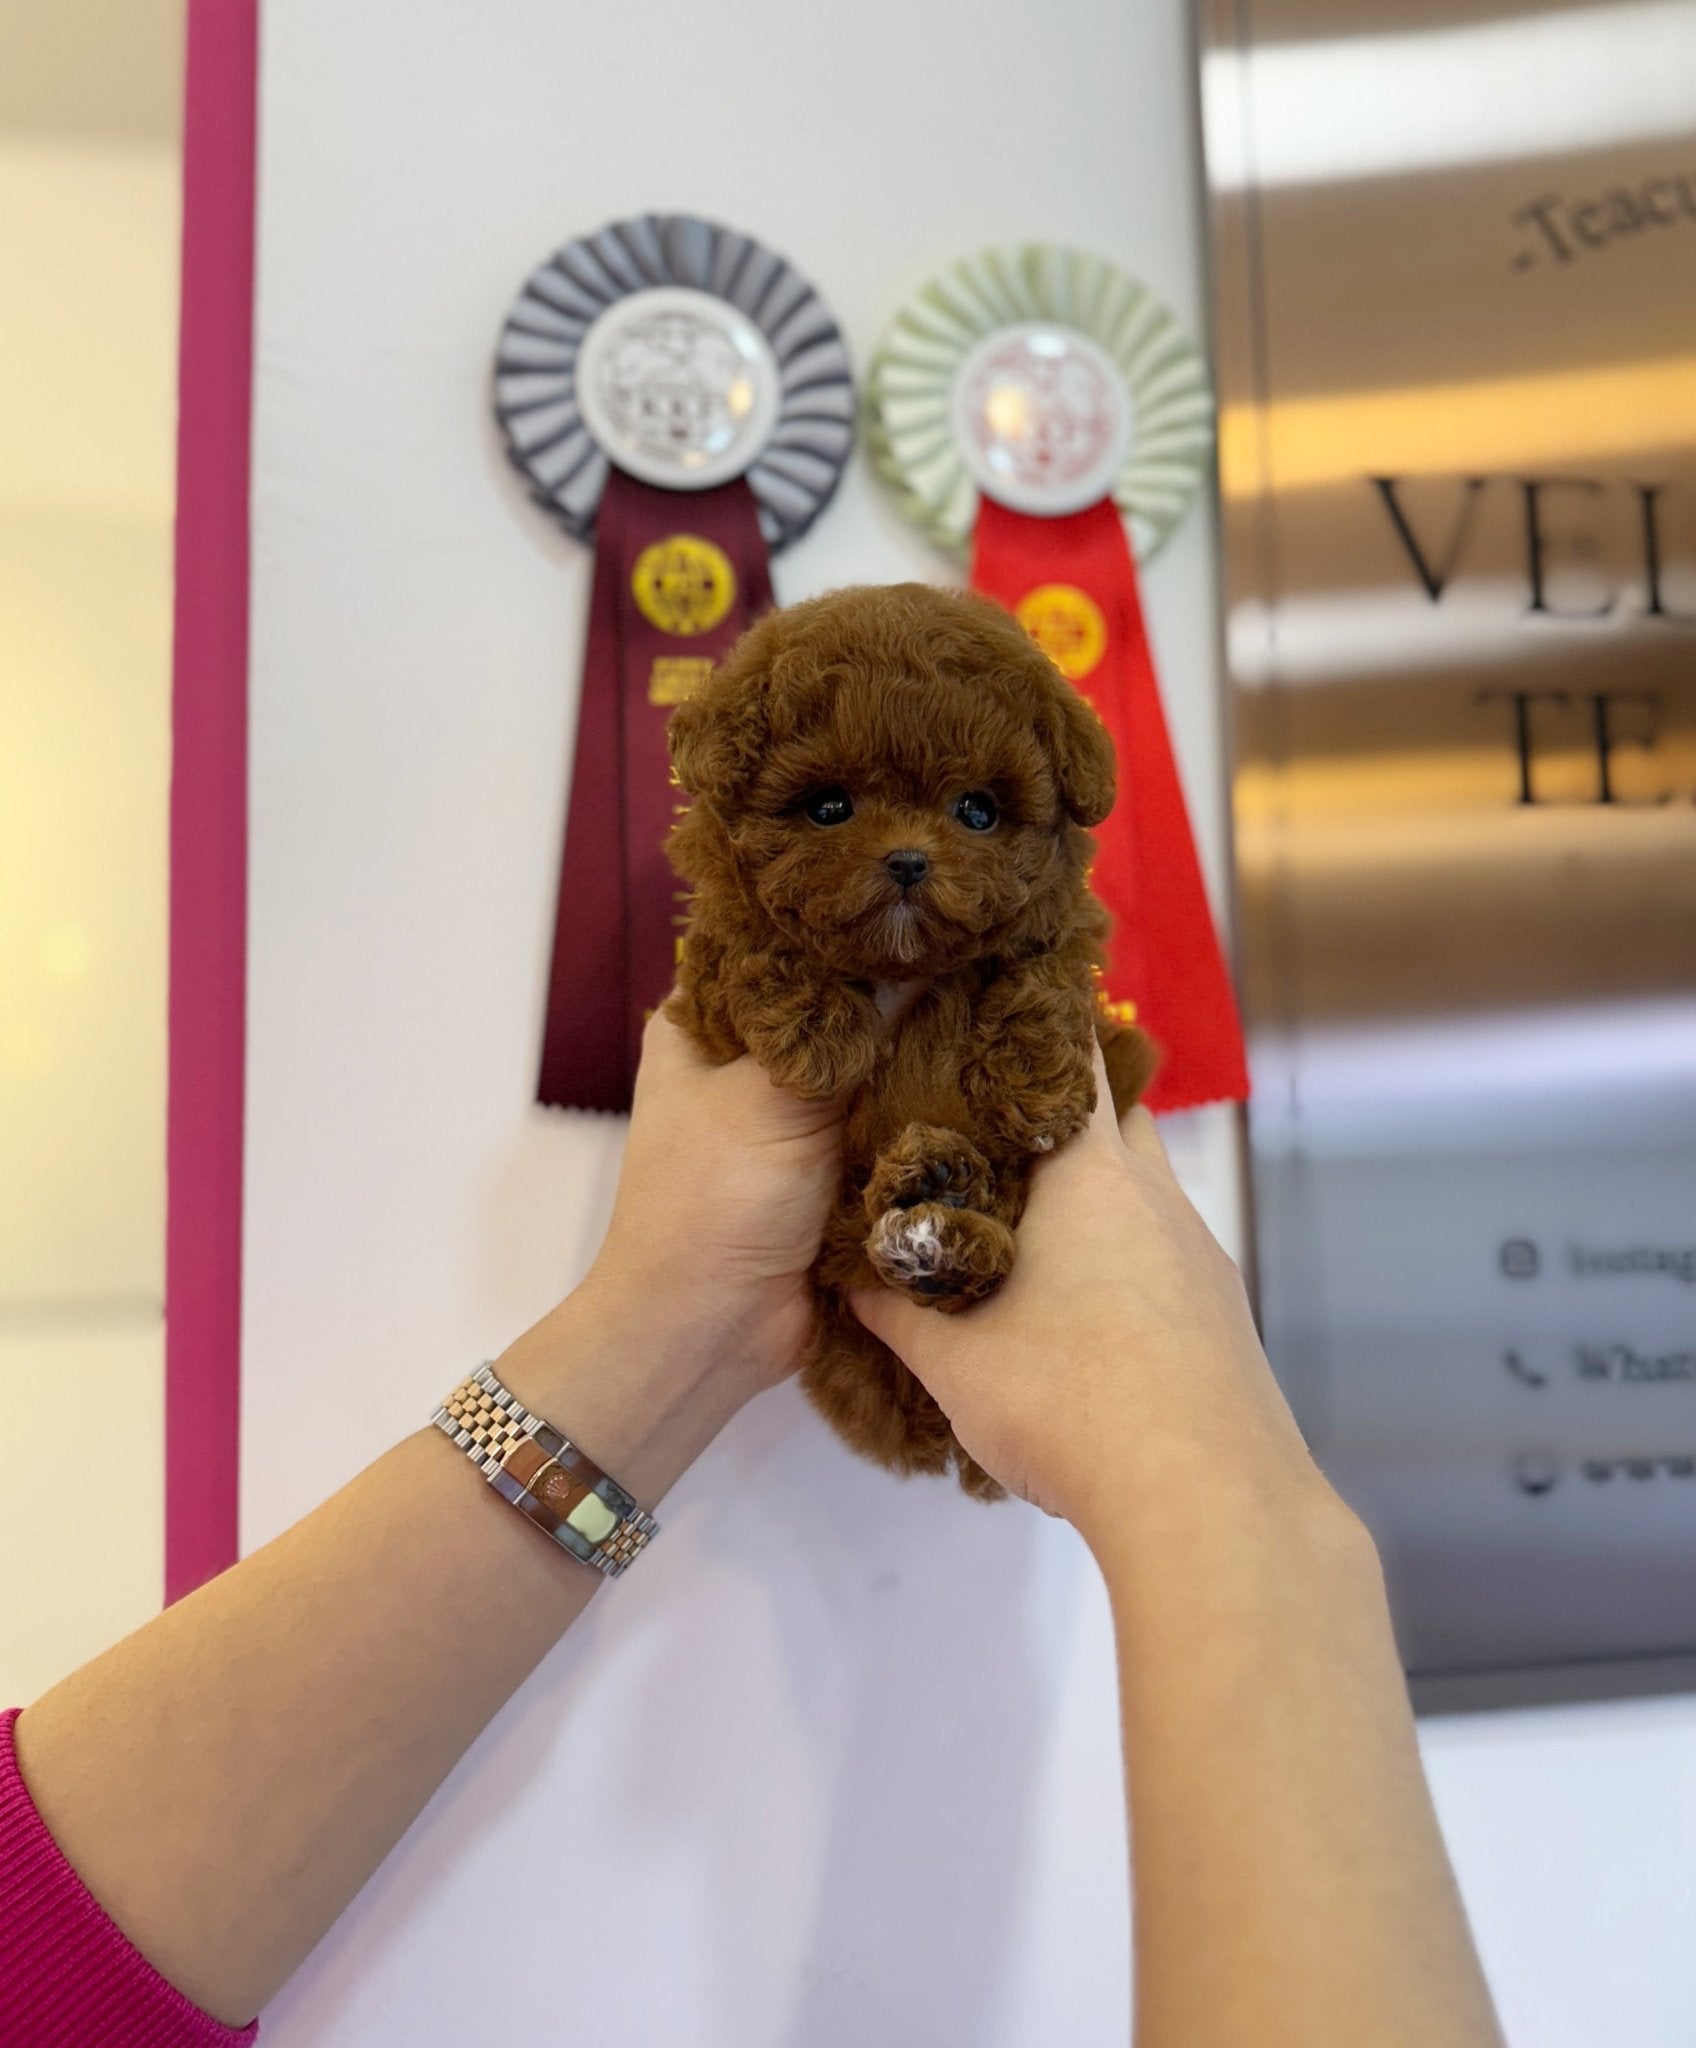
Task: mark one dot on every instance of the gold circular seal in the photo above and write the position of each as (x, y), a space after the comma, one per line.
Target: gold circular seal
(1066, 623)
(683, 584)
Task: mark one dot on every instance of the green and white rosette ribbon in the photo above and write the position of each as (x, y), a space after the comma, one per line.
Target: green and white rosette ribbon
(1094, 390)
(1028, 406)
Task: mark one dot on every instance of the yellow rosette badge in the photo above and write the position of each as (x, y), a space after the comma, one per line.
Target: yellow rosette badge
(684, 585)
(1066, 623)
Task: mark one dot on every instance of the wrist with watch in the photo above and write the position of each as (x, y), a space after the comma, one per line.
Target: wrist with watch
(544, 1475)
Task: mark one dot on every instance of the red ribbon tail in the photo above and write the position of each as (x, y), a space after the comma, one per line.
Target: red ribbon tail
(1073, 581)
(1191, 1007)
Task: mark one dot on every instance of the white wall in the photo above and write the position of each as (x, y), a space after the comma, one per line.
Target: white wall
(849, 1744)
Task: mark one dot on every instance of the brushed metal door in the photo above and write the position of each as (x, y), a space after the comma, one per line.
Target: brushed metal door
(1455, 291)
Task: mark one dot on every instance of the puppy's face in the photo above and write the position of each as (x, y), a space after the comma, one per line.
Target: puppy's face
(898, 776)
(890, 848)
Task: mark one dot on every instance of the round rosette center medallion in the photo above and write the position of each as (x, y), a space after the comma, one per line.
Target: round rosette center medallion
(1042, 418)
(680, 387)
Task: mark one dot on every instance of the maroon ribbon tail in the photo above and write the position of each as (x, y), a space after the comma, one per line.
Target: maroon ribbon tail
(658, 619)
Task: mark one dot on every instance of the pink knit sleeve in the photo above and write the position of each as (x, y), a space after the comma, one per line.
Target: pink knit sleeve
(68, 1977)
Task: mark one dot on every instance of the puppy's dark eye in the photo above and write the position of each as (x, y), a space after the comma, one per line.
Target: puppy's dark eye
(976, 810)
(831, 806)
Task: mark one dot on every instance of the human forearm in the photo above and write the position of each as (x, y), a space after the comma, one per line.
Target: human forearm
(227, 1778)
(1292, 1890)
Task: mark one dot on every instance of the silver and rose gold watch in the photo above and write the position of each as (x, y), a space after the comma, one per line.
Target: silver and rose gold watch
(544, 1475)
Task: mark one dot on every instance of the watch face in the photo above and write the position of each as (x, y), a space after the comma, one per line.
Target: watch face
(1042, 418)
(678, 387)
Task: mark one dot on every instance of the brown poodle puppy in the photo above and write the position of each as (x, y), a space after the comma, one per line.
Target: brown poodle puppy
(889, 901)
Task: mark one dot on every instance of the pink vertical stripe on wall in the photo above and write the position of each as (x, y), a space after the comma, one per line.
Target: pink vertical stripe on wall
(208, 887)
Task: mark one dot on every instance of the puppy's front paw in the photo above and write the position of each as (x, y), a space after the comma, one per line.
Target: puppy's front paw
(1038, 1128)
(1050, 1133)
(816, 1056)
(929, 1164)
(1034, 1104)
(940, 1257)
(1034, 1120)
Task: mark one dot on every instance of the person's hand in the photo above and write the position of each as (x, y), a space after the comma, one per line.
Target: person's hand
(1120, 1353)
(698, 1298)
(721, 1202)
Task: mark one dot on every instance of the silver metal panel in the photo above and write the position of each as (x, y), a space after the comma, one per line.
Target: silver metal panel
(1455, 258)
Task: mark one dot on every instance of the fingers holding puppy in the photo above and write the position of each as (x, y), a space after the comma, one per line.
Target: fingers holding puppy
(1120, 1348)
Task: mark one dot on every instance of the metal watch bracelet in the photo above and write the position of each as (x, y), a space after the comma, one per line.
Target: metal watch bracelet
(544, 1475)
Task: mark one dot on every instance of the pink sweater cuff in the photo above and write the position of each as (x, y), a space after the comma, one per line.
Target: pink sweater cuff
(68, 1977)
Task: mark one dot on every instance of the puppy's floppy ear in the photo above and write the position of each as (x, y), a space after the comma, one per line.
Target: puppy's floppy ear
(1081, 753)
(696, 751)
(716, 736)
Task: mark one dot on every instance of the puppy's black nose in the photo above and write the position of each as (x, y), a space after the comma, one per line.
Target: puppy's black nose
(907, 865)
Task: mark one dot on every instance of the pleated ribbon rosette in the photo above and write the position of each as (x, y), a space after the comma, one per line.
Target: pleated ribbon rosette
(678, 395)
(1026, 406)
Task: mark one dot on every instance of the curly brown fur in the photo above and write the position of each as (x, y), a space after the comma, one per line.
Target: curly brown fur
(950, 997)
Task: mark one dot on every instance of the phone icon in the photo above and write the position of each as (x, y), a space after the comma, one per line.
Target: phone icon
(1534, 1473)
(1527, 1375)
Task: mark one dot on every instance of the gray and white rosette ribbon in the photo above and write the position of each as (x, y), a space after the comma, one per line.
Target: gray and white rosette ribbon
(680, 395)
(684, 352)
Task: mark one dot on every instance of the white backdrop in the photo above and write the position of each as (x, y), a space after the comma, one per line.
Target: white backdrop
(842, 1753)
